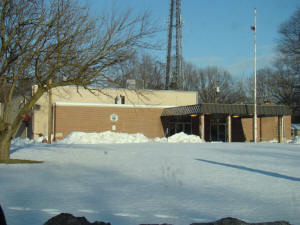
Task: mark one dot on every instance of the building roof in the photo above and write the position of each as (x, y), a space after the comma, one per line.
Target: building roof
(232, 109)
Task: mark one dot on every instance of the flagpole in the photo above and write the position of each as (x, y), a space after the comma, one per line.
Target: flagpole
(255, 110)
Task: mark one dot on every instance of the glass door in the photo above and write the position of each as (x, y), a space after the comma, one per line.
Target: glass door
(217, 130)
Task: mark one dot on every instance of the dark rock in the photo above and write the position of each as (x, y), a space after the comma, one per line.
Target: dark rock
(69, 219)
(234, 221)
(2, 217)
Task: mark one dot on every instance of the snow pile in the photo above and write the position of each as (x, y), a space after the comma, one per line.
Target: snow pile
(17, 142)
(106, 137)
(296, 140)
(184, 138)
(109, 137)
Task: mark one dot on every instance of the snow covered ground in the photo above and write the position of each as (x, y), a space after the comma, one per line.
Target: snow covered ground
(129, 180)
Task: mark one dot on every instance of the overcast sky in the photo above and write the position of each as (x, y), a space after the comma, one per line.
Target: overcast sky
(217, 32)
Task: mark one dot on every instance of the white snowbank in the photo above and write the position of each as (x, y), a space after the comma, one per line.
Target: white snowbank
(106, 137)
(184, 138)
(109, 137)
(296, 140)
(24, 141)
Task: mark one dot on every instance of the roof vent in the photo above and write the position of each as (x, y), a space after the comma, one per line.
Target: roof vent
(134, 84)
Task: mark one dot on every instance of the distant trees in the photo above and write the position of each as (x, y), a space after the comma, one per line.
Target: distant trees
(142, 67)
(213, 84)
(263, 89)
(289, 46)
(56, 43)
(283, 84)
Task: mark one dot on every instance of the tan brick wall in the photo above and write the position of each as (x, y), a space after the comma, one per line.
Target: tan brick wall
(287, 127)
(97, 119)
(267, 128)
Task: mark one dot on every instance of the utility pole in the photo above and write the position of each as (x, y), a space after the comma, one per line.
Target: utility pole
(50, 114)
(255, 104)
(169, 48)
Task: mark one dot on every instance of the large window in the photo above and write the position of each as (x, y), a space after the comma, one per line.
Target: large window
(177, 127)
(180, 124)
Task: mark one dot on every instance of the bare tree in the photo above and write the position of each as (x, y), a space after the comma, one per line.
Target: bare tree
(190, 77)
(275, 85)
(143, 67)
(151, 71)
(213, 84)
(264, 91)
(289, 46)
(217, 86)
(289, 42)
(282, 84)
(55, 43)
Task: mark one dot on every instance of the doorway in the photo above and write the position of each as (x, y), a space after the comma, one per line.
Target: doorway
(218, 129)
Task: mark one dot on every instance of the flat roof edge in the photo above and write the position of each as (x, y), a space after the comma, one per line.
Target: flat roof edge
(109, 105)
(230, 109)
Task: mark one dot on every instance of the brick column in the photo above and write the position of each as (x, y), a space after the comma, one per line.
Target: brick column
(202, 126)
(228, 128)
(280, 129)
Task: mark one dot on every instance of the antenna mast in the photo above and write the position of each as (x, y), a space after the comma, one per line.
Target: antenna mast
(178, 73)
(169, 44)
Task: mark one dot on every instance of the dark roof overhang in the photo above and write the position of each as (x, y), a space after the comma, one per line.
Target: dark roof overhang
(230, 109)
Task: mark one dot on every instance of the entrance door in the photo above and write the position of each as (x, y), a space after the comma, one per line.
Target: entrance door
(217, 130)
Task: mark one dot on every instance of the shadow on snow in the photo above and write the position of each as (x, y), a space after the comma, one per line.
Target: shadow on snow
(267, 173)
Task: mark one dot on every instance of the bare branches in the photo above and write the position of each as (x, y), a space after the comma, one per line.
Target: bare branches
(288, 66)
(289, 43)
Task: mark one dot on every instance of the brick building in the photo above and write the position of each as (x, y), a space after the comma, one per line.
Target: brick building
(156, 114)
(120, 110)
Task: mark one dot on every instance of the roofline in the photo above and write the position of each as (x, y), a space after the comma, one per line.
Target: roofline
(109, 105)
(126, 89)
(229, 109)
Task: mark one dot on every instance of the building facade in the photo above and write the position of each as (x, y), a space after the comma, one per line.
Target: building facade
(155, 113)
(120, 110)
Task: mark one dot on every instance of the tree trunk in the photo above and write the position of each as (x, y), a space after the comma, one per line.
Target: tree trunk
(5, 147)
(6, 134)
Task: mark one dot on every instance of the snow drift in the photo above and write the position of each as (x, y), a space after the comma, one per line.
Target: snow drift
(109, 137)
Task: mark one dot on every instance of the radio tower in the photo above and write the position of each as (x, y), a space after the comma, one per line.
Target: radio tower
(178, 70)
(178, 73)
(169, 48)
